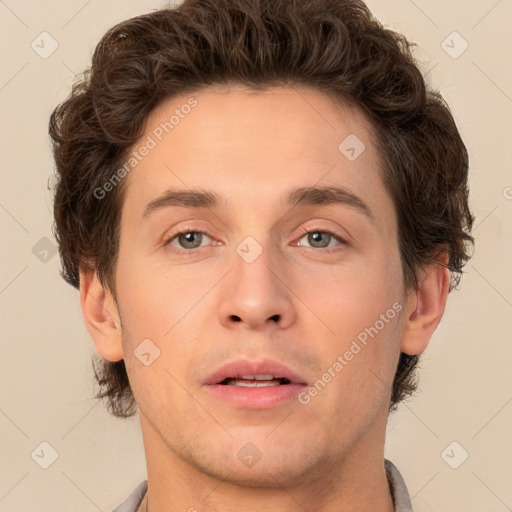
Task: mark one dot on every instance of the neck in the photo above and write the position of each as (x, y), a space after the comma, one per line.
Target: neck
(356, 483)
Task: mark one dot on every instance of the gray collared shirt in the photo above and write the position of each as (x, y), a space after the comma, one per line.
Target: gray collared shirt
(397, 485)
(401, 498)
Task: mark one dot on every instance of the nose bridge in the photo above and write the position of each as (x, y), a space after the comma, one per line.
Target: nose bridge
(253, 294)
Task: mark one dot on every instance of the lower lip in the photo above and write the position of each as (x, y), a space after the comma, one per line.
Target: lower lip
(258, 397)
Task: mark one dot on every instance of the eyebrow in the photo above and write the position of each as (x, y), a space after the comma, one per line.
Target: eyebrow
(303, 196)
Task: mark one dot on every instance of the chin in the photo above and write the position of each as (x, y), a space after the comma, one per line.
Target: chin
(264, 474)
(260, 462)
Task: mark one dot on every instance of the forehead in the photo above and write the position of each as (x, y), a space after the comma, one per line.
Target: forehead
(295, 121)
(249, 145)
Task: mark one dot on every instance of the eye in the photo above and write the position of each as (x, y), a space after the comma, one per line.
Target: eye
(321, 239)
(187, 239)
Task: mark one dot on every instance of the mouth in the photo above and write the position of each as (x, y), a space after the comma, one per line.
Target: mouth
(255, 381)
(263, 384)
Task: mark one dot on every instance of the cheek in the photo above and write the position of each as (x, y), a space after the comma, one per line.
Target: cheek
(162, 305)
(153, 298)
(350, 299)
(362, 309)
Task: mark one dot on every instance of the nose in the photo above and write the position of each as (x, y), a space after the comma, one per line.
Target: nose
(257, 294)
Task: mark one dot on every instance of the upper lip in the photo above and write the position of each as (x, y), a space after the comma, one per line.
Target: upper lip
(241, 367)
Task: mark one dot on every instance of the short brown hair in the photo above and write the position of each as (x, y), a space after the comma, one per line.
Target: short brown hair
(333, 46)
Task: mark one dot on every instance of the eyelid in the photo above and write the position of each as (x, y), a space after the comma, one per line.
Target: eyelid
(187, 229)
(303, 232)
(307, 230)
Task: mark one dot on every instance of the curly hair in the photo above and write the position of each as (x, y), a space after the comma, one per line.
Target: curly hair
(333, 46)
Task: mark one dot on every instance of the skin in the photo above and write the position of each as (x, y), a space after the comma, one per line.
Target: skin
(251, 148)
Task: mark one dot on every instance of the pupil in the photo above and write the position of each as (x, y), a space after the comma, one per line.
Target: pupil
(186, 239)
(316, 238)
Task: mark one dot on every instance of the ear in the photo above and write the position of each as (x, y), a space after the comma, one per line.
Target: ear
(101, 316)
(425, 306)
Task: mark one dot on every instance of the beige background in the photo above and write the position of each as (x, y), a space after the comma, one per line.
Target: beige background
(46, 378)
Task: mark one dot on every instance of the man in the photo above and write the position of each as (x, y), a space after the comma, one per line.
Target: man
(264, 209)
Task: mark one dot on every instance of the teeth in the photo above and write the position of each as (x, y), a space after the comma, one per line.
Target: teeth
(253, 383)
(258, 377)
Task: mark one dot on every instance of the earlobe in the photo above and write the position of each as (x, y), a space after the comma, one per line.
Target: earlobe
(101, 316)
(425, 307)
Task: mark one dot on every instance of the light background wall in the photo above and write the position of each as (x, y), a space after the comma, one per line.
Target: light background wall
(46, 377)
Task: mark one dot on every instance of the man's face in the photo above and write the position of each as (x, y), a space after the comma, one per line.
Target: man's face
(256, 286)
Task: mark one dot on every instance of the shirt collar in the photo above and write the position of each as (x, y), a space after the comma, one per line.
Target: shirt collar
(399, 492)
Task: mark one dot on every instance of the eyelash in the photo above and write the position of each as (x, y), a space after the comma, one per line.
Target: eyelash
(307, 231)
(303, 233)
